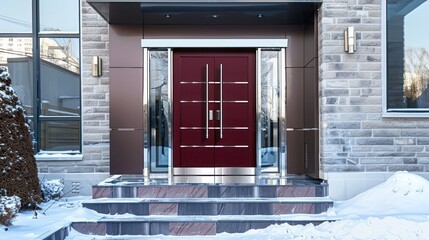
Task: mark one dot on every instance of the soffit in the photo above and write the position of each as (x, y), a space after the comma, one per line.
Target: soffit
(219, 12)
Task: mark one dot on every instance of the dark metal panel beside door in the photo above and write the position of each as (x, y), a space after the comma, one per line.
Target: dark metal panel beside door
(295, 152)
(124, 46)
(295, 98)
(126, 152)
(126, 98)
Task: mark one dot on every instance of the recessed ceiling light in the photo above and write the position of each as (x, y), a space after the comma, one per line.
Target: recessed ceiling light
(215, 16)
(260, 15)
(167, 15)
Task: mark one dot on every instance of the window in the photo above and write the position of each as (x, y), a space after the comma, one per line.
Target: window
(15, 16)
(407, 56)
(19, 61)
(59, 16)
(51, 97)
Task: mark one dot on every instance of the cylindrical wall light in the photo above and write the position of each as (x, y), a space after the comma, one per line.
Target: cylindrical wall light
(96, 69)
(350, 40)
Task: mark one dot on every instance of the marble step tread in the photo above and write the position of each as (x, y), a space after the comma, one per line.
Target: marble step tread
(118, 225)
(218, 218)
(210, 200)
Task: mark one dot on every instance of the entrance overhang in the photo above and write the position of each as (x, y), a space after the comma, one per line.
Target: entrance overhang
(211, 12)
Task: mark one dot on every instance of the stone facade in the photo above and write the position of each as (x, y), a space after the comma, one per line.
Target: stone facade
(355, 138)
(354, 134)
(95, 101)
(94, 167)
(95, 90)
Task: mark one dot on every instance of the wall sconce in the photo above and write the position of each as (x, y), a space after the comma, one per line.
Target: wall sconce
(96, 69)
(350, 40)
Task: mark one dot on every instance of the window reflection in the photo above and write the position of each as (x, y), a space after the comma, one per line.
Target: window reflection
(16, 55)
(60, 78)
(407, 55)
(269, 111)
(15, 16)
(160, 114)
(60, 136)
(59, 16)
(63, 52)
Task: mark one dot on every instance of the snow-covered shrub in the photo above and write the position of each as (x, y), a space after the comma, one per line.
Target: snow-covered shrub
(52, 189)
(18, 170)
(9, 207)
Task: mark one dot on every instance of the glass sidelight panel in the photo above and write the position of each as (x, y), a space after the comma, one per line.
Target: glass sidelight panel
(159, 111)
(271, 110)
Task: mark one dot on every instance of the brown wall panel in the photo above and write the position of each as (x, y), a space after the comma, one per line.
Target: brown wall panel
(309, 44)
(125, 46)
(126, 152)
(311, 139)
(295, 152)
(295, 98)
(295, 49)
(126, 96)
(311, 95)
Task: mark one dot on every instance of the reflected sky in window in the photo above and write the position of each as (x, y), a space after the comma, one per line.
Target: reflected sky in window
(15, 16)
(59, 15)
(416, 34)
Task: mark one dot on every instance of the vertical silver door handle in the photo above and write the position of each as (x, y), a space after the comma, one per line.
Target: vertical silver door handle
(207, 101)
(221, 102)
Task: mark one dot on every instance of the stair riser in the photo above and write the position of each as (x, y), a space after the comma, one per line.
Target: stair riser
(176, 228)
(177, 191)
(144, 209)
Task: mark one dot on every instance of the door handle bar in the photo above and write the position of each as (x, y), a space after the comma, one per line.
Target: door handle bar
(221, 102)
(207, 101)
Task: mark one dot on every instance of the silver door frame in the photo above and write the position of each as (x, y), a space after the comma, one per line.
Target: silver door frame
(169, 44)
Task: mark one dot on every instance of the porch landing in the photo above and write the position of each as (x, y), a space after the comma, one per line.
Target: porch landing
(134, 186)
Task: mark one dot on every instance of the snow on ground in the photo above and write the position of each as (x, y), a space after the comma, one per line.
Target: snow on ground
(58, 214)
(402, 194)
(395, 209)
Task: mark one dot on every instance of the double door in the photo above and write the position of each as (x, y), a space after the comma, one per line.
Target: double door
(214, 109)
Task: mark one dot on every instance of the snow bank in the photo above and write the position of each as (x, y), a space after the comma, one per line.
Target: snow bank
(403, 193)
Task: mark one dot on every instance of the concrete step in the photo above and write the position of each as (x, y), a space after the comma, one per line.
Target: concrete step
(189, 225)
(210, 206)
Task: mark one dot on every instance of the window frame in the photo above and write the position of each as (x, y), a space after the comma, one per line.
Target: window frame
(37, 119)
(394, 112)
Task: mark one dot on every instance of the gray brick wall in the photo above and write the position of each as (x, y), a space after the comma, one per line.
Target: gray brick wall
(95, 101)
(95, 91)
(354, 135)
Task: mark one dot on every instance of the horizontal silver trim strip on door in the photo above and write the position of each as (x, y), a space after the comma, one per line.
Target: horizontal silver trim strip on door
(235, 83)
(196, 146)
(193, 82)
(211, 101)
(214, 128)
(214, 83)
(235, 171)
(218, 171)
(231, 146)
(215, 146)
(196, 171)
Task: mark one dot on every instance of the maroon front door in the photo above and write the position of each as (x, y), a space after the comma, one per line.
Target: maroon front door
(214, 109)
